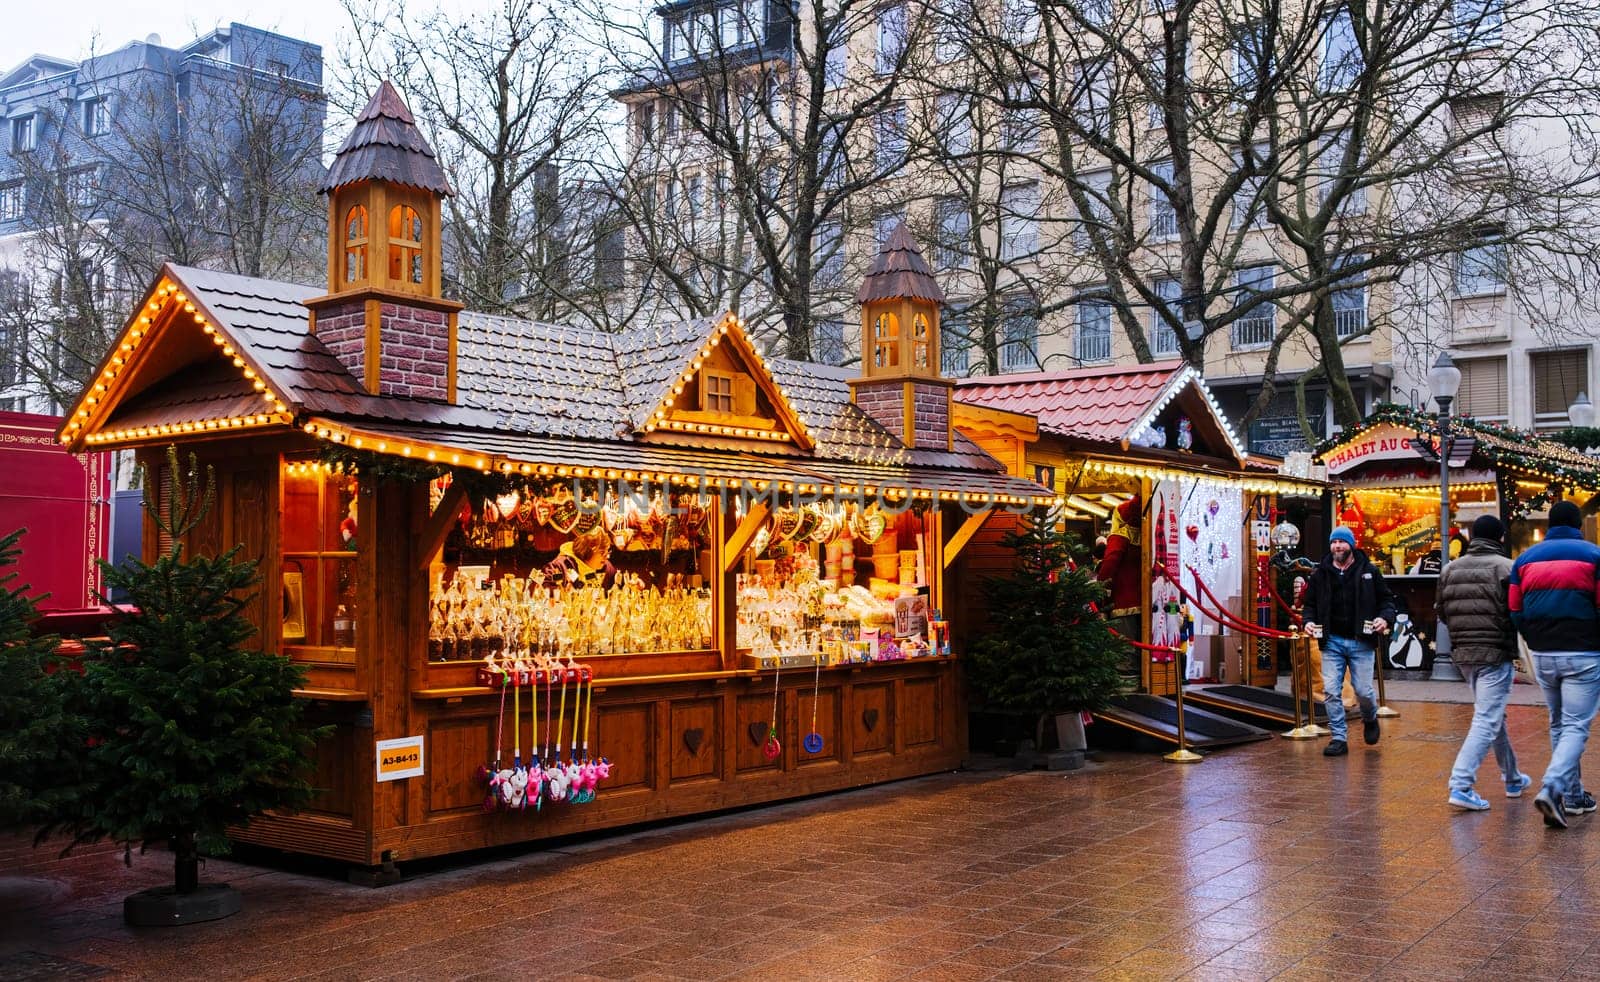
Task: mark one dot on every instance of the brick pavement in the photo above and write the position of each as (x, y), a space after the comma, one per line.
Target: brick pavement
(1265, 861)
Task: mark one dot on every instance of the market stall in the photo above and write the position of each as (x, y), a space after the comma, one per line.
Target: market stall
(1387, 472)
(1149, 470)
(546, 579)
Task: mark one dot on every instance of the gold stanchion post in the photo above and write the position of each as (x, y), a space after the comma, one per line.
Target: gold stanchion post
(1302, 728)
(1183, 755)
(1384, 712)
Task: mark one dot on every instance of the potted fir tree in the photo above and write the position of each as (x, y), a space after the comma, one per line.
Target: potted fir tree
(1047, 651)
(188, 730)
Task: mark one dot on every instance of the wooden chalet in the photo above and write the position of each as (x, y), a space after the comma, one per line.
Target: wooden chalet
(393, 460)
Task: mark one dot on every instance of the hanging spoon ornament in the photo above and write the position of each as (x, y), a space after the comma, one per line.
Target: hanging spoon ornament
(813, 740)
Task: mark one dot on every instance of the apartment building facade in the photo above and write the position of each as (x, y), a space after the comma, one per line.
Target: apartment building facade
(73, 129)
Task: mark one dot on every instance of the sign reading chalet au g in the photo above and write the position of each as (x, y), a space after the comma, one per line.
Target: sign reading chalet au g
(1387, 442)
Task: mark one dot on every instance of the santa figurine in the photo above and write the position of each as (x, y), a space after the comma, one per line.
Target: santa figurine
(1119, 566)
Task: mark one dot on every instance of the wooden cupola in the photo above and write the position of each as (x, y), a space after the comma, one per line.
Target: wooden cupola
(901, 384)
(384, 316)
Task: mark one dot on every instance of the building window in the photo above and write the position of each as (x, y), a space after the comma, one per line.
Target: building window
(1331, 163)
(1478, 22)
(1350, 302)
(609, 255)
(829, 347)
(13, 202)
(1096, 189)
(1341, 55)
(885, 222)
(953, 119)
(1474, 122)
(1252, 57)
(1156, 68)
(1019, 336)
(921, 342)
(955, 347)
(1019, 221)
(827, 254)
(954, 222)
(96, 118)
(1256, 327)
(716, 391)
(1092, 340)
(1249, 202)
(886, 341)
(892, 136)
(1481, 267)
(1044, 474)
(1091, 100)
(1019, 20)
(405, 244)
(645, 123)
(1163, 216)
(1483, 389)
(836, 64)
(355, 244)
(1163, 338)
(83, 187)
(891, 38)
(1558, 377)
(24, 136)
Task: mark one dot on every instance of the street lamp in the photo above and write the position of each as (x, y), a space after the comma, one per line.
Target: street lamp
(1444, 380)
(1581, 412)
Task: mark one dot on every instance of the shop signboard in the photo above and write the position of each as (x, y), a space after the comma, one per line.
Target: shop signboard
(1385, 442)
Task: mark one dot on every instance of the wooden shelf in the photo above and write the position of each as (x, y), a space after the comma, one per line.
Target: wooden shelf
(331, 695)
(601, 684)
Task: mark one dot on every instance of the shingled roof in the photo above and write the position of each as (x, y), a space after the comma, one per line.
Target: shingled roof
(386, 145)
(900, 271)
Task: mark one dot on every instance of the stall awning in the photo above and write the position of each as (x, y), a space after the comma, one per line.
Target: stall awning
(1382, 443)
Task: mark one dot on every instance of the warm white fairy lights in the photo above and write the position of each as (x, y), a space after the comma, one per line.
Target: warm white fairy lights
(1266, 485)
(167, 294)
(729, 323)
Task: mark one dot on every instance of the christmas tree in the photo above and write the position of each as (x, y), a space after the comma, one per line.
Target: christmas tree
(35, 731)
(1047, 650)
(190, 730)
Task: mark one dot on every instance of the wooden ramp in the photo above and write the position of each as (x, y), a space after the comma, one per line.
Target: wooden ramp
(1255, 701)
(1157, 716)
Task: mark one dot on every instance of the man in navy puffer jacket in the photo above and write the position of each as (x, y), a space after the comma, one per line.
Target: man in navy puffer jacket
(1554, 597)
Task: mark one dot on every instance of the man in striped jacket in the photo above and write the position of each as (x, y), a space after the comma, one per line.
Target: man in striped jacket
(1555, 604)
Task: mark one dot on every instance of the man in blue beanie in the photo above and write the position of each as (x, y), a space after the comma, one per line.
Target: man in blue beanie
(1347, 605)
(1555, 602)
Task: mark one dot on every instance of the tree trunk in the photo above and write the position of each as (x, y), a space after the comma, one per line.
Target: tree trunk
(185, 863)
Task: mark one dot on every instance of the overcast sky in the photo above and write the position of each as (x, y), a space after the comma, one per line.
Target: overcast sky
(72, 28)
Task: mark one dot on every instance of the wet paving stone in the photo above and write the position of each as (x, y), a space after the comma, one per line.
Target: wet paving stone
(1264, 861)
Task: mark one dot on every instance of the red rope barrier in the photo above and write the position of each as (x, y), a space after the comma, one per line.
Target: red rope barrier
(1226, 617)
(1294, 615)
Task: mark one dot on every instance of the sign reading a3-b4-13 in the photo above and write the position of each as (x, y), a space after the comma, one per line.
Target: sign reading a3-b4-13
(400, 758)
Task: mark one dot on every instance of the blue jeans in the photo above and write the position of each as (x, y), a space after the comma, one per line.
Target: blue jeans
(1491, 690)
(1339, 654)
(1571, 686)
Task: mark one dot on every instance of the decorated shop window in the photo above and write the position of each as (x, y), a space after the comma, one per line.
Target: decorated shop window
(836, 583)
(405, 244)
(355, 244)
(564, 571)
(318, 538)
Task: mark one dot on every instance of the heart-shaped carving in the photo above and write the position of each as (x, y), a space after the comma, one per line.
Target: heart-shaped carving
(758, 733)
(692, 739)
(869, 719)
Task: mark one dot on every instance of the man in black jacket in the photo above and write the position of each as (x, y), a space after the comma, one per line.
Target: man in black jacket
(1347, 606)
(1473, 604)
